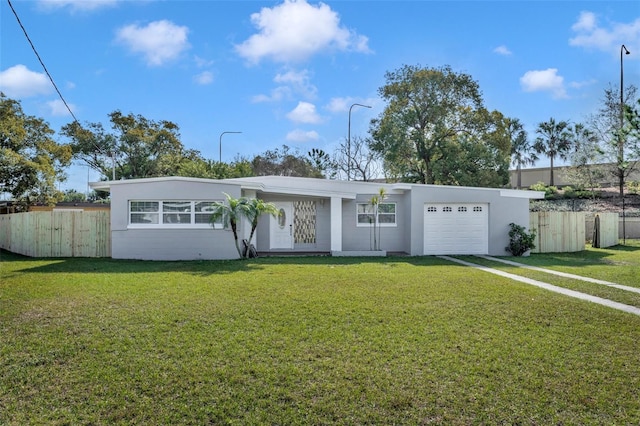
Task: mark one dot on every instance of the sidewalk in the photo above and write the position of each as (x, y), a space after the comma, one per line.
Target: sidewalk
(550, 287)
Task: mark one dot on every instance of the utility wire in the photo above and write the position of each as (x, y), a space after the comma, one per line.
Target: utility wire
(53, 82)
(41, 62)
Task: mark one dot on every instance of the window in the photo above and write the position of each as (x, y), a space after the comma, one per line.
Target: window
(176, 212)
(447, 209)
(171, 214)
(203, 210)
(144, 212)
(366, 214)
(462, 209)
(477, 209)
(432, 209)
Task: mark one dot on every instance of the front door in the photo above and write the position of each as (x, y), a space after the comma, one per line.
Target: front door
(281, 232)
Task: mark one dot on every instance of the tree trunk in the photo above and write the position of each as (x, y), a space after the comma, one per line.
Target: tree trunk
(234, 228)
(621, 181)
(551, 171)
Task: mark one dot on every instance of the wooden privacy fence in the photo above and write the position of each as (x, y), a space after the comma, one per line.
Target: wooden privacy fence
(558, 232)
(57, 233)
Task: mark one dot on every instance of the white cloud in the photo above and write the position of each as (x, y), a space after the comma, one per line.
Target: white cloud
(159, 41)
(502, 50)
(204, 78)
(201, 62)
(338, 105)
(589, 34)
(295, 30)
(586, 22)
(58, 109)
(544, 81)
(76, 5)
(304, 113)
(581, 84)
(20, 82)
(291, 82)
(299, 81)
(302, 136)
(277, 94)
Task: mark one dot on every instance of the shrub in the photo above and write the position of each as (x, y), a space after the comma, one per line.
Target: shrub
(569, 192)
(633, 186)
(520, 241)
(550, 192)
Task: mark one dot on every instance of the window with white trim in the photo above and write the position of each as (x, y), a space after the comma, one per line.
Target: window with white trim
(172, 214)
(386, 214)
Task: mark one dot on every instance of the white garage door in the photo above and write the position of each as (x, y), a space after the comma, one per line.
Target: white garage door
(456, 228)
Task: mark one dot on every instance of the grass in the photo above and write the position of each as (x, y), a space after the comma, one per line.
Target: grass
(306, 341)
(619, 265)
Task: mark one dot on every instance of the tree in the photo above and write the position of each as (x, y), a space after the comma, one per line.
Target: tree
(375, 203)
(235, 209)
(522, 152)
(633, 132)
(619, 146)
(585, 171)
(230, 213)
(257, 208)
(365, 162)
(435, 116)
(31, 162)
(323, 162)
(73, 196)
(554, 141)
(284, 163)
(137, 147)
(210, 169)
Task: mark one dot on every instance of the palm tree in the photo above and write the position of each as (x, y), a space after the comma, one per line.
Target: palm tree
(522, 151)
(258, 207)
(375, 202)
(230, 213)
(554, 141)
(235, 209)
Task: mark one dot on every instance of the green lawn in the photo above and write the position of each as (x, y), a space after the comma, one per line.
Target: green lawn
(315, 340)
(619, 265)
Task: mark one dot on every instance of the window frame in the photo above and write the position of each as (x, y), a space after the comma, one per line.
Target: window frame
(369, 211)
(162, 214)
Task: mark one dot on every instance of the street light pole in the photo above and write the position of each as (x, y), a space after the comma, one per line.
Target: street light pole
(349, 140)
(220, 146)
(623, 49)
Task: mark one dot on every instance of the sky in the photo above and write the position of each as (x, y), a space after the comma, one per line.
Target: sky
(287, 72)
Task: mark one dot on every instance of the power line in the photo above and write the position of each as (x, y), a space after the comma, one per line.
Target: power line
(41, 62)
(54, 83)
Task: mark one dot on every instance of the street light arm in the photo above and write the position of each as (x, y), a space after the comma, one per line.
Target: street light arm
(220, 146)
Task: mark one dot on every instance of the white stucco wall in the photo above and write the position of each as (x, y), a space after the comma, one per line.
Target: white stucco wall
(158, 243)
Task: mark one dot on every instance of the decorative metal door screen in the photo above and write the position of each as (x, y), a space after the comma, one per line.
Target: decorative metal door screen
(304, 222)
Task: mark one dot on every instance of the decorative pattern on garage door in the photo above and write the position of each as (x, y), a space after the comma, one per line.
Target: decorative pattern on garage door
(304, 222)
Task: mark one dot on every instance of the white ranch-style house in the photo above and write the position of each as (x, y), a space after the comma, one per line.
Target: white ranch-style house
(167, 218)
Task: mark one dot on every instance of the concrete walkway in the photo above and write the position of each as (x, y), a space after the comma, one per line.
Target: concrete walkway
(564, 274)
(550, 287)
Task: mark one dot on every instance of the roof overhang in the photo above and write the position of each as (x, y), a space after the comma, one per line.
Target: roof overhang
(518, 193)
